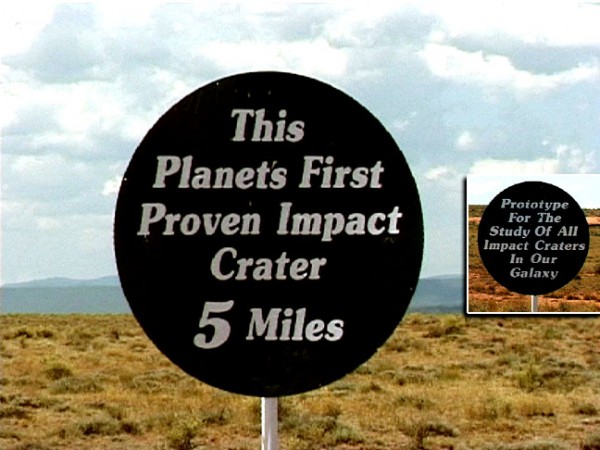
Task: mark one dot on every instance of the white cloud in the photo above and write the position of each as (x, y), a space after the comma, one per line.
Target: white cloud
(573, 159)
(28, 164)
(360, 24)
(567, 159)
(118, 14)
(91, 108)
(514, 166)
(75, 248)
(489, 70)
(51, 185)
(93, 237)
(465, 141)
(481, 189)
(51, 169)
(47, 223)
(401, 124)
(112, 186)
(441, 174)
(557, 23)
(309, 57)
(17, 214)
(20, 23)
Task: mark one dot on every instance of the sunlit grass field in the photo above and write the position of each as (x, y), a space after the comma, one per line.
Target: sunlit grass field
(440, 382)
(581, 295)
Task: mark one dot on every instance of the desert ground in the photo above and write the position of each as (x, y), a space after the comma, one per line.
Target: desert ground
(440, 382)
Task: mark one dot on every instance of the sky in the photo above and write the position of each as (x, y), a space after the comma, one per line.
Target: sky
(465, 89)
(584, 188)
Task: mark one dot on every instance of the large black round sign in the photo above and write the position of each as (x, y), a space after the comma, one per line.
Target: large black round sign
(533, 238)
(268, 234)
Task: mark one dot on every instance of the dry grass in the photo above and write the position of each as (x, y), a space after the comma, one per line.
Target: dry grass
(441, 382)
(581, 295)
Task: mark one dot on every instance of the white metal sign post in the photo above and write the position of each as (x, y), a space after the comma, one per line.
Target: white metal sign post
(534, 303)
(269, 425)
(268, 236)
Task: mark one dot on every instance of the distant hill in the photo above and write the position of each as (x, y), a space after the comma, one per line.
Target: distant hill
(62, 282)
(444, 294)
(441, 294)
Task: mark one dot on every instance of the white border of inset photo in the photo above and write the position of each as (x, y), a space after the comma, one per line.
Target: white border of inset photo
(585, 189)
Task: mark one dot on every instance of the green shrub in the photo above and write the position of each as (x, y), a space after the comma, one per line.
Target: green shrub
(325, 430)
(414, 401)
(422, 429)
(181, 436)
(492, 408)
(555, 377)
(107, 426)
(446, 326)
(217, 416)
(530, 379)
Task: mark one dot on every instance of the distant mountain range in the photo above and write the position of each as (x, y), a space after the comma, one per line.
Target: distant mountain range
(441, 294)
(64, 296)
(62, 282)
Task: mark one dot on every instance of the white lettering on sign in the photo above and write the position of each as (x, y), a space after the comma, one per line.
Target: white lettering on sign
(559, 246)
(186, 175)
(332, 224)
(187, 172)
(277, 325)
(225, 265)
(264, 130)
(293, 326)
(520, 231)
(531, 273)
(155, 215)
(528, 204)
(220, 327)
(341, 176)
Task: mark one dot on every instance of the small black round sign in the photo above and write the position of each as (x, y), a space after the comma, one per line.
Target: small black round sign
(533, 238)
(268, 234)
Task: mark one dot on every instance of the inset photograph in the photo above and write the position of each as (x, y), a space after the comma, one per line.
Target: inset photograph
(533, 244)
